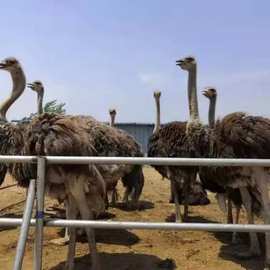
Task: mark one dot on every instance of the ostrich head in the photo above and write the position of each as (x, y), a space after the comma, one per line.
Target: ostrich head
(36, 86)
(157, 94)
(112, 112)
(10, 64)
(210, 92)
(13, 66)
(187, 63)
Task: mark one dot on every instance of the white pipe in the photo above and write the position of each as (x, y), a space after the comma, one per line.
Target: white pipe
(14, 222)
(159, 161)
(41, 166)
(25, 226)
(222, 162)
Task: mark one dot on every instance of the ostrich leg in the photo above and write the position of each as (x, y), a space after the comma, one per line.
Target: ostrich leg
(114, 197)
(176, 201)
(175, 195)
(229, 212)
(72, 213)
(186, 191)
(235, 236)
(64, 240)
(254, 249)
(86, 214)
(262, 182)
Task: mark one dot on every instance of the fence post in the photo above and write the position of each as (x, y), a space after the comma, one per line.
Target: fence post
(25, 226)
(41, 166)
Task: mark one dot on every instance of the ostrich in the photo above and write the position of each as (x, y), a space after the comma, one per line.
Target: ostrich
(38, 87)
(133, 181)
(209, 179)
(239, 135)
(112, 113)
(83, 186)
(169, 141)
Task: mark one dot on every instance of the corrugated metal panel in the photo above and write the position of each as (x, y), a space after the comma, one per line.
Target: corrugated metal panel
(140, 131)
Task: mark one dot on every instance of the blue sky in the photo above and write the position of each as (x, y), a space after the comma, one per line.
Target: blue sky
(95, 55)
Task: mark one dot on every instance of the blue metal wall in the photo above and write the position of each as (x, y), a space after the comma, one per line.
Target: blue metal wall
(141, 132)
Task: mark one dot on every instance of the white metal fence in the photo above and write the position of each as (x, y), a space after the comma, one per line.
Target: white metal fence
(36, 191)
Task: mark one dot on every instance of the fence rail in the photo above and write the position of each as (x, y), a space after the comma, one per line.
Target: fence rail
(217, 162)
(39, 222)
(210, 227)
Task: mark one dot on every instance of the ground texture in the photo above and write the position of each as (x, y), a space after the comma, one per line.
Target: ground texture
(133, 250)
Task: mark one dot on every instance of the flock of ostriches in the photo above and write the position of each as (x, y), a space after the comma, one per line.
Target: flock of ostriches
(85, 188)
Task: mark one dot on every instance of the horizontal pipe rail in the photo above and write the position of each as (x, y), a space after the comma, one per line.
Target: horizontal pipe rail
(18, 159)
(15, 222)
(221, 162)
(159, 161)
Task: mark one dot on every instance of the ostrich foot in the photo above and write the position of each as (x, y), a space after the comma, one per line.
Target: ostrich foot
(246, 255)
(173, 218)
(235, 238)
(60, 241)
(171, 200)
(69, 266)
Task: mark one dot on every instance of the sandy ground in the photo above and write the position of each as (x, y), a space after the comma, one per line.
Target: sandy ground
(137, 249)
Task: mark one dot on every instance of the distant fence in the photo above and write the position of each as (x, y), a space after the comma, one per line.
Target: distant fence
(140, 131)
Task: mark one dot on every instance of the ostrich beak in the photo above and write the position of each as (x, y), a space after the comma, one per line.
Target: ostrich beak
(179, 62)
(2, 65)
(205, 93)
(30, 85)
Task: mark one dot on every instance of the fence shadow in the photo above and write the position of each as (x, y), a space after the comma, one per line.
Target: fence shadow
(229, 252)
(142, 205)
(122, 261)
(107, 236)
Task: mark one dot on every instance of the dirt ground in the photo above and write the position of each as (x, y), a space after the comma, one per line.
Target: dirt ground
(137, 249)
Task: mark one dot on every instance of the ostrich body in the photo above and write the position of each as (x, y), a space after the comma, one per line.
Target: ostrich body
(207, 175)
(169, 141)
(239, 135)
(38, 87)
(132, 181)
(112, 188)
(83, 186)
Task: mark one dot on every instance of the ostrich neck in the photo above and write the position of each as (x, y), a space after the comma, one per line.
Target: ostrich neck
(40, 102)
(192, 94)
(157, 124)
(18, 79)
(112, 120)
(212, 112)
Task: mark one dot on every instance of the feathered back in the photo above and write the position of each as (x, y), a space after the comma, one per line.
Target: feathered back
(239, 135)
(64, 135)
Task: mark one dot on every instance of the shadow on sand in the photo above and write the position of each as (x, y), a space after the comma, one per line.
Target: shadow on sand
(228, 251)
(121, 261)
(115, 237)
(142, 205)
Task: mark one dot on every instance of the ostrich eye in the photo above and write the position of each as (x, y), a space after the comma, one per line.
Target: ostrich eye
(11, 62)
(190, 59)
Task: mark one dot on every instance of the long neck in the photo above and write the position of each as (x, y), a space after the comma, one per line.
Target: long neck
(157, 124)
(18, 79)
(112, 120)
(192, 94)
(40, 102)
(212, 112)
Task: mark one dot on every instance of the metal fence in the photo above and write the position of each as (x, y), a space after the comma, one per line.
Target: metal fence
(36, 191)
